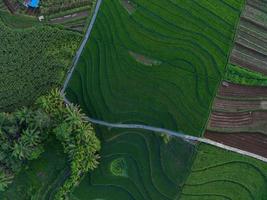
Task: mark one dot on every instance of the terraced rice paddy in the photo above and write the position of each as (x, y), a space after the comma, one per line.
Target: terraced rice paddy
(217, 174)
(251, 41)
(111, 85)
(137, 165)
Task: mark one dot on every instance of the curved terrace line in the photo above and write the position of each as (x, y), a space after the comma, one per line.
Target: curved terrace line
(80, 50)
(181, 135)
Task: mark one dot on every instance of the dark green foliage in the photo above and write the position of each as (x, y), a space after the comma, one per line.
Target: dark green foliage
(33, 61)
(243, 76)
(23, 132)
(76, 135)
(21, 139)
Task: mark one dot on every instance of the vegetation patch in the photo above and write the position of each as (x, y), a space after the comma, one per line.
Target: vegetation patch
(33, 61)
(118, 167)
(243, 76)
(220, 174)
(23, 133)
(177, 95)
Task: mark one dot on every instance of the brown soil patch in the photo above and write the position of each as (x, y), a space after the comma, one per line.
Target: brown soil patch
(144, 60)
(129, 6)
(252, 142)
(242, 91)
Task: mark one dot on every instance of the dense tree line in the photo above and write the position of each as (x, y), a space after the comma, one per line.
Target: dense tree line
(23, 132)
(33, 61)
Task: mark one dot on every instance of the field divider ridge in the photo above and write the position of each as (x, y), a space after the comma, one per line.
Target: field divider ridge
(181, 135)
(80, 50)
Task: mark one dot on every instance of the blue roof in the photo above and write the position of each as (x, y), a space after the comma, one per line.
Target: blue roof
(34, 3)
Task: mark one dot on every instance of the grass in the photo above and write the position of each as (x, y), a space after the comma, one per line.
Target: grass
(33, 61)
(42, 178)
(243, 76)
(17, 21)
(218, 174)
(191, 41)
(137, 165)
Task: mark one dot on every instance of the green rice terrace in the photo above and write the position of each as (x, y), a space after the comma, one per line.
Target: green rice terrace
(176, 93)
(133, 100)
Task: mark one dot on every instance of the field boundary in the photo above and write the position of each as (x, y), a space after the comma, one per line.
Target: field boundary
(80, 50)
(181, 135)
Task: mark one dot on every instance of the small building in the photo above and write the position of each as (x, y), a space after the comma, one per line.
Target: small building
(32, 4)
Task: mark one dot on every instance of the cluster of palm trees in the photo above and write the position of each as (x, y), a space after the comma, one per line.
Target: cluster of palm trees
(20, 140)
(22, 134)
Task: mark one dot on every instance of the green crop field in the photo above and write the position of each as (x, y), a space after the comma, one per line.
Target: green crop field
(137, 165)
(134, 165)
(155, 62)
(217, 175)
(33, 60)
(243, 76)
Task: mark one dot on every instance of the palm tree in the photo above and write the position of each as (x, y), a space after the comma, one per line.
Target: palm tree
(5, 179)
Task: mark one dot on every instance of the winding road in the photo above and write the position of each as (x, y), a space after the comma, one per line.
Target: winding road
(140, 126)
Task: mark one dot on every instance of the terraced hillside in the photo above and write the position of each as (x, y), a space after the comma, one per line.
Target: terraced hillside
(137, 165)
(152, 62)
(72, 14)
(251, 42)
(134, 165)
(220, 175)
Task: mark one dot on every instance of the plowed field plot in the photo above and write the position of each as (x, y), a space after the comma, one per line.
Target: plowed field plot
(239, 108)
(251, 42)
(252, 142)
(218, 174)
(137, 165)
(188, 40)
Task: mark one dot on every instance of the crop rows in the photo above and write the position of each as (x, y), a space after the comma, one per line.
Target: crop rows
(251, 41)
(217, 174)
(137, 165)
(110, 84)
(72, 14)
(239, 108)
(33, 61)
(251, 142)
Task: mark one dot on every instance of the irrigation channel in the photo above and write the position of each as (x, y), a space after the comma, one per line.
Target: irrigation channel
(181, 135)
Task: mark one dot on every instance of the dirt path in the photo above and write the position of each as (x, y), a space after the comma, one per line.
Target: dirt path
(74, 16)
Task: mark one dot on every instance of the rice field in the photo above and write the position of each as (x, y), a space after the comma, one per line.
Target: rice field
(217, 174)
(188, 62)
(137, 165)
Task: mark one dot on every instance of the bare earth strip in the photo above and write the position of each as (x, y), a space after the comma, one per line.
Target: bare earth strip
(252, 142)
(69, 17)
